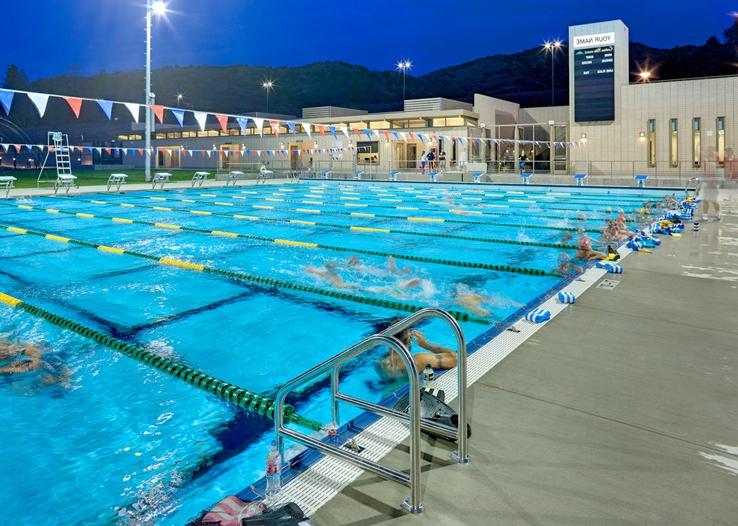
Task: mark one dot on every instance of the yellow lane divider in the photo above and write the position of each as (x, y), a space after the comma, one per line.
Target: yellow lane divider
(293, 243)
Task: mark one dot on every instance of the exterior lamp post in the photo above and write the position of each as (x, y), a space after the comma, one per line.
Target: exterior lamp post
(157, 8)
(268, 85)
(553, 48)
(403, 66)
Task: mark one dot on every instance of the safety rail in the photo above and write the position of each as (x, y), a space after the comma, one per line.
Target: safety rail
(333, 366)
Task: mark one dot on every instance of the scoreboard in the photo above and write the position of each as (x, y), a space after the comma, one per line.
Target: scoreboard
(594, 84)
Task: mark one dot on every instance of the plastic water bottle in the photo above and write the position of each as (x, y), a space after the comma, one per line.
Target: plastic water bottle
(428, 376)
(273, 464)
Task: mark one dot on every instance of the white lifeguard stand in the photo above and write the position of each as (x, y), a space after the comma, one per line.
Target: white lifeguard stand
(58, 143)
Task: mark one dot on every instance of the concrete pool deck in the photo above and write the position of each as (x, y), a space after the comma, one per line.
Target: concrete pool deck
(622, 410)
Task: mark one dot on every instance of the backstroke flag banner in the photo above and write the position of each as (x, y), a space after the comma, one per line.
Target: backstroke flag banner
(40, 101)
(6, 100)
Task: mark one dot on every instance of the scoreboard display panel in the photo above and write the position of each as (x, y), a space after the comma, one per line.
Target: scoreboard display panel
(594, 84)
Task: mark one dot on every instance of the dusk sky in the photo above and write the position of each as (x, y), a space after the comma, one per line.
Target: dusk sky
(51, 37)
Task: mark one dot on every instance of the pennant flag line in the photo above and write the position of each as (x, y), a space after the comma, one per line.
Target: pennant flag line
(75, 104)
(107, 107)
(6, 100)
(201, 117)
(223, 120)
(40, 100)
(259, 123)
(159, 112)
(179, 115)
(134, 109)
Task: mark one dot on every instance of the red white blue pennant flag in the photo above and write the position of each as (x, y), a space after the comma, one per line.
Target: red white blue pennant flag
(6, 100)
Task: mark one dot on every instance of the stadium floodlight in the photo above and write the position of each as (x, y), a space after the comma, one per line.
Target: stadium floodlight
(552, 47)
(404, 66)
(268, 85)
(159, 8)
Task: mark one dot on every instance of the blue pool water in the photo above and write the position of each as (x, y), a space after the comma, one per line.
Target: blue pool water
(152, 448)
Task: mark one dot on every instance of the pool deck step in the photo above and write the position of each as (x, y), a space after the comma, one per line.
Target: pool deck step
(622, 410)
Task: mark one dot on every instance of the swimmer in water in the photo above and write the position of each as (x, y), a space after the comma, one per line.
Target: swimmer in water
(584, 248)
(439, 357)
(328, 273)
(567, 267)
(18, 358)
(471, 301)
(390, 268)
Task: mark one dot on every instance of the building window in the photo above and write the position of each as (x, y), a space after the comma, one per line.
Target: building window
(696, 142)
(439, 122)
(417, 123)
(673, 143)
(367, 152)
(455, 121)
(651, 142)
(720, 145)
(379, 125)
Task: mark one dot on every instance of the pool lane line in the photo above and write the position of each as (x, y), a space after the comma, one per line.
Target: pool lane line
(491, 192)
(359, 228)
(315, 211)
(226, 391)
(246, 278)
(288, 242)
(534, 215)
(440, 200)
(453, 206)
(508, 197)
(292, 243)
(387, 216)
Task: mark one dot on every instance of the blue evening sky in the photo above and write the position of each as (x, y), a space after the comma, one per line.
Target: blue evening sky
(50, 37)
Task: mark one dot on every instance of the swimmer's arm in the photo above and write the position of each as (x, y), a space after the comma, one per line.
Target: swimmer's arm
(429, 346)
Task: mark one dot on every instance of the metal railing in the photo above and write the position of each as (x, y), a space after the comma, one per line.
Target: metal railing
(413, 503)
(332, 367)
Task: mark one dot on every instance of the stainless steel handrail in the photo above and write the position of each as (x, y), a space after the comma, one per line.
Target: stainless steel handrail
(461, 455)
(413, 503)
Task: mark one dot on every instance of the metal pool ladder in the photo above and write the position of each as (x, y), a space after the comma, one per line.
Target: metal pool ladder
(333, 366)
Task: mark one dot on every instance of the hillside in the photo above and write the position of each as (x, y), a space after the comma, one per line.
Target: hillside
(523, 77)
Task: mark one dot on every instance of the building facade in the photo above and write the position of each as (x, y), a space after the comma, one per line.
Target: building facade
(611, 128)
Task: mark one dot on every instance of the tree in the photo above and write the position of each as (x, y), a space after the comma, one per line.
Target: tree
(15, 78)
(712, 42)
(731, 34)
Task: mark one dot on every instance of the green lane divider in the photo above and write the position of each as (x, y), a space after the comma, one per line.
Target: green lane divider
(357, 228)
(514, 198)
(364, 205)
(303, 244)
(228, 392)
(311, 211)
(244, 277)
(633, 199)
(352, 203)
(440, 200)
(391, 216)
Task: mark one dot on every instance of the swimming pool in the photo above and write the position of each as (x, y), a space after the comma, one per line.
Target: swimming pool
(148, 446)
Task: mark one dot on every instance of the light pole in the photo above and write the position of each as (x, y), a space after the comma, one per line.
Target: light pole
(403, 66)
(157, 8)
(552, 47)
(268, 85)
